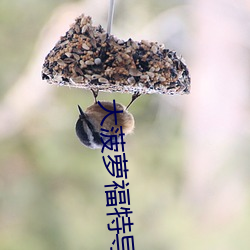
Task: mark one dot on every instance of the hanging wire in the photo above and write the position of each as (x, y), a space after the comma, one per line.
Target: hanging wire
(110, 16)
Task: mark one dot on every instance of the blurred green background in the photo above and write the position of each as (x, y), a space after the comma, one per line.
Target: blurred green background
(188, 157)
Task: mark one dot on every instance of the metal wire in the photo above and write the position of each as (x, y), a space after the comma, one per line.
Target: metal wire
(110, 16)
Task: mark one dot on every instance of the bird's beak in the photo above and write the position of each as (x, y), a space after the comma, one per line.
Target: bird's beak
(81, 112)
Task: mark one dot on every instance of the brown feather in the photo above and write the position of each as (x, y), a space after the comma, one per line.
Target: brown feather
(95, 114)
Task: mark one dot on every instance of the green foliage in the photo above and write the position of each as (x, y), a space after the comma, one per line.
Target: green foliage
(20, 24)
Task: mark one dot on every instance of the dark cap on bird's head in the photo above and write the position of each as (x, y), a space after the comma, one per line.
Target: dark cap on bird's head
(86, 132)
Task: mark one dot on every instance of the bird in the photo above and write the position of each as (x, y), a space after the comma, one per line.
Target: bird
(89, 125)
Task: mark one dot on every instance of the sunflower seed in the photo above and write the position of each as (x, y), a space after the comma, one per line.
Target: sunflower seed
(144, 78)
(77, 29)
(77, 57)
(95, 76)
(68, 54)
(77, 79)
(69, 60)
(61, 62)
(85, 46)
(88, 62)
(150, 74)
(134, 72)
(131, 80)
(78, 70)
(154, 49)
(103, 80)
(145, 42)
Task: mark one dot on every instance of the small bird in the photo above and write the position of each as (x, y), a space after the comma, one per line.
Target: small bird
(88, 125)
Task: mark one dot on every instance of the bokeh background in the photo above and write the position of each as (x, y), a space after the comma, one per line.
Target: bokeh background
(189, 157)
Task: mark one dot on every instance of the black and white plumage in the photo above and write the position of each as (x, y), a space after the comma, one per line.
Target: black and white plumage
(88, 126)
